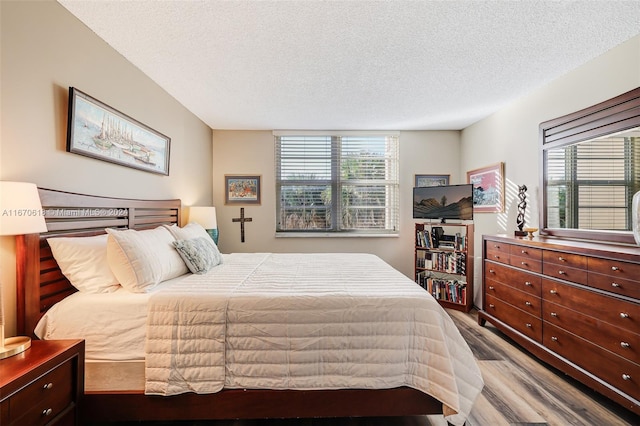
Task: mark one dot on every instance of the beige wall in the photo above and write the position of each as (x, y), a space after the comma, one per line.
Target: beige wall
(511, 135)
(252, 152)
(45, 50)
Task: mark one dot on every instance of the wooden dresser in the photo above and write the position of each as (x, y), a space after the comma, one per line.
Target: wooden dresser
(43, 385)
(575, 305)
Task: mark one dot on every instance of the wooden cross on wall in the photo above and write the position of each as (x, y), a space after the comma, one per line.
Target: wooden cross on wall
(242, 220)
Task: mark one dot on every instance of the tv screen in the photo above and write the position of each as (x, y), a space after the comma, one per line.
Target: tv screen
(443, 202)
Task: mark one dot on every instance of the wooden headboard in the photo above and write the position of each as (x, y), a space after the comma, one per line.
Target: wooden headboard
(40, 283)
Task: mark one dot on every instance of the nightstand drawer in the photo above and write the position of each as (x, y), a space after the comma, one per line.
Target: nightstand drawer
(44, 399)
(43, 385)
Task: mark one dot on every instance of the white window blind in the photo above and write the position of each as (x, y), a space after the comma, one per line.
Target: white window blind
(337, 183)
(590, 185)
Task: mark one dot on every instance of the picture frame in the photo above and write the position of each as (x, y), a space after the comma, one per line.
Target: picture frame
(242, 189)
(96, 130)
(431, 180)
(488, 188)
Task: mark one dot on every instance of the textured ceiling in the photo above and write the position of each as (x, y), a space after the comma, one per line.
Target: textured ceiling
(366, 65)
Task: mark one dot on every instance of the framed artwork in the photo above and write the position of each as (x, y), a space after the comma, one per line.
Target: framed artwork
(96, 130)
(242, 189)
(431, 180)
(488, 188)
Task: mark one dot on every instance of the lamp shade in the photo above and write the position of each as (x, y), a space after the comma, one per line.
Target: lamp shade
(20, 213)
(205, 216)
(20, 209)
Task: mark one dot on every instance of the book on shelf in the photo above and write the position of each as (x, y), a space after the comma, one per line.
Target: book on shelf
(444, 289)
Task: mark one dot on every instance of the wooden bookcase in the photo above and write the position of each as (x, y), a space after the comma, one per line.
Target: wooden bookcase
(443, 262)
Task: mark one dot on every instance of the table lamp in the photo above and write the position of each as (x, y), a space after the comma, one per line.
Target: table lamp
(20, 213)
(205, 216)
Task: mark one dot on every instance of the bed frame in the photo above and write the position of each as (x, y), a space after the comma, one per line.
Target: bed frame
(40, 284)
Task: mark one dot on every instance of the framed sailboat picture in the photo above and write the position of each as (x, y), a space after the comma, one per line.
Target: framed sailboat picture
(96, 130)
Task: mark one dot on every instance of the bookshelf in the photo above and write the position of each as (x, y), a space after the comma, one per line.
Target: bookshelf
(443, 262)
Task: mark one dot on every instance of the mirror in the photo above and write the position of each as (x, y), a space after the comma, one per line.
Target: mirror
(591, 170)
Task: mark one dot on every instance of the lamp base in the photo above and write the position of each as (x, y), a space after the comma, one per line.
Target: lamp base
(213, 233)
(14, 346)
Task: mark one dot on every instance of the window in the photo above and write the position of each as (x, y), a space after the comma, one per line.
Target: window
(337, 183)
(591, 170)
(590, 184)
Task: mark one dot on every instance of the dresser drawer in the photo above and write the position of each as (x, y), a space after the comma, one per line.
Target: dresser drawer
(497, 252)
(525, 263)
(517, 298)
(528, 258)
(520, 280)
(615, 268)
(612, 338)
(565, 273)
(620, 313)
(615, 285)
(525, 323)
(43, 399)
(617, 371)
(565, 259)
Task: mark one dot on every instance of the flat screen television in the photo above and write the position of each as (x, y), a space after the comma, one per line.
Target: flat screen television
(453, 202)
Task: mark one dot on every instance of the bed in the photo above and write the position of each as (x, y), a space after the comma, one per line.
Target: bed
(274, 315)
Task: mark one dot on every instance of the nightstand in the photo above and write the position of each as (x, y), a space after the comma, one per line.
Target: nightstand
(43, 385)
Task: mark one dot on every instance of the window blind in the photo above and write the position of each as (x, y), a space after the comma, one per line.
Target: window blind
(337, 183)
(590, 185)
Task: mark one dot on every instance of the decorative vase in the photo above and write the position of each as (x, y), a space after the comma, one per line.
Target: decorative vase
(635, 217)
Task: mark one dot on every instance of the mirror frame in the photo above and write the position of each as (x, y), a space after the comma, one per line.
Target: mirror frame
(611, 116)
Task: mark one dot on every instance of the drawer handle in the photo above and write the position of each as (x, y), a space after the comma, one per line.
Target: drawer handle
(491, 271)
(524, 263)
(47, 386)
(47, 412)
(626, 377)
(554, 338)
(562, 259)
(527, 283)
(491, 287)
(491, 305)
(624, 315)
(524, 252)
(496, 256)
(553, 291)
(616, 285)
(554, 314)
(562, 273)
(496, 246)
(528, 325)
(615, 268)
(624, 345)
(527, 303)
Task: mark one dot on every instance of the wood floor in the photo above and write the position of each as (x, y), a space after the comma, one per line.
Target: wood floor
(519, 390)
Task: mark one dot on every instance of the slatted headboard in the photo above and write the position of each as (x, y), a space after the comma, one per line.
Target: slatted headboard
(40, 283)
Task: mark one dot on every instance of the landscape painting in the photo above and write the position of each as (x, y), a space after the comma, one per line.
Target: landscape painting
(488, 188)
(99, 131)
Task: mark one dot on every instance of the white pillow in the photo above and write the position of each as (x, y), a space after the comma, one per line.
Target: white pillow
(188, 232)
(142, 259)
(83, 260)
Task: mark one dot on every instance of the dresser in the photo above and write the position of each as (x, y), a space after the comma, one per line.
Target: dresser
(574, 305)
(43, 385)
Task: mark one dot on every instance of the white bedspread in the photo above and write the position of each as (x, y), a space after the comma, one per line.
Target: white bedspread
(306, 321)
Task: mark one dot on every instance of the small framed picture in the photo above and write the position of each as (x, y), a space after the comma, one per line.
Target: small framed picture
(431, 180)
(488, 188)
(242, 189)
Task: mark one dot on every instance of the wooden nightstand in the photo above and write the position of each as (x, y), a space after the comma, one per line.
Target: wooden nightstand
(43, 385)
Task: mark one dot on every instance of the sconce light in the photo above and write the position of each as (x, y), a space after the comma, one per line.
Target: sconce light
(205, 216)
(20, 213)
